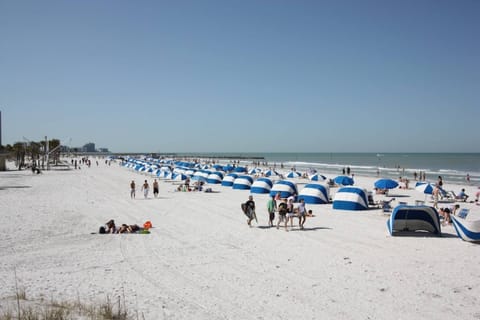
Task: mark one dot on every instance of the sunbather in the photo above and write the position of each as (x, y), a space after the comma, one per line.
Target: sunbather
(462, 196)
(128, 228)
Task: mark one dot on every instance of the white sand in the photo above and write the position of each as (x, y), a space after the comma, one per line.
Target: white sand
(202, 261)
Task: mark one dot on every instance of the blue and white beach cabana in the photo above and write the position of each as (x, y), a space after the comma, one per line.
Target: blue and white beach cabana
(314, 193)
(350, 198)
(285, 187)
(228, 179)
(414, 218)
(215, 177)
(243, 183)
(261, 185)
(467, 230)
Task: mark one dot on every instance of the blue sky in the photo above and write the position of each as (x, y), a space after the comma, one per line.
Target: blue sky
(243, 76)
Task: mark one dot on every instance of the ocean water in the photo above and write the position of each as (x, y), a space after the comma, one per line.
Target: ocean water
(453, 167)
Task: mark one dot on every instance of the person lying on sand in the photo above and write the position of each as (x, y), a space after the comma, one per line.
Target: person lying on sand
(128, 228)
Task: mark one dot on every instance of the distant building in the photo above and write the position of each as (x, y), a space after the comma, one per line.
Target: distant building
(89, 147)
(104, 150)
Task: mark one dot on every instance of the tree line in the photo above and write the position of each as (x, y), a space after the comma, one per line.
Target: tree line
(32, 153)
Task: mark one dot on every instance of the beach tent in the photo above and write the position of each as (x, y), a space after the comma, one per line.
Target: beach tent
(314, 193)
(350, 198)
(215, 177)
(202, 173)
(285, 187)
(178, 177)
(468, 230)
(228, 179)
(243, 183)
(406, 218)
(261, 185)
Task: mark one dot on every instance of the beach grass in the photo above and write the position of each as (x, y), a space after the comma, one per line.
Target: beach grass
(20, 307)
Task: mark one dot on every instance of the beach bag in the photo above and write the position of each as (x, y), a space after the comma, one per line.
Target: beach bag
(147, 225)
(101, 230)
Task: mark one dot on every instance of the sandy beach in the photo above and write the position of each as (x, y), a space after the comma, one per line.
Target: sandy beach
(202, 261)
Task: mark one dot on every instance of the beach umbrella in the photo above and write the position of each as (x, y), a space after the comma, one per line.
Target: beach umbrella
(269, 173)
(386, 184)
(254, 170)
(426, 188)
(293, 174)
(343, 180)
(318, 177)
(261, 185)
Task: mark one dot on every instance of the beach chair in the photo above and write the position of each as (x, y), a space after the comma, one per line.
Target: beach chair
(386, 206)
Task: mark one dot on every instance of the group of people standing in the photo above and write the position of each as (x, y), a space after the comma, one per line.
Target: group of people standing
(285, 208)
(145, 188)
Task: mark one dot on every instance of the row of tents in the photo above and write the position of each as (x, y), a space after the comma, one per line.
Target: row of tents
(403, 219)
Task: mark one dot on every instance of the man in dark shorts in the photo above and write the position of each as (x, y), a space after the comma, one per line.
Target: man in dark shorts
(155, 188)
(250, 210)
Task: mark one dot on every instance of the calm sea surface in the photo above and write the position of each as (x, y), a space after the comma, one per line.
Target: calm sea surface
(453, 167)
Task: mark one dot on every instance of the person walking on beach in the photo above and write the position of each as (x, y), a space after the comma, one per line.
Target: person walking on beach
(440, 182)
(271, 207)
(435, 195)
(249, 210)
(302, 213)
(155, 188)
(145, 189)
(132, 189)
(290, 213)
